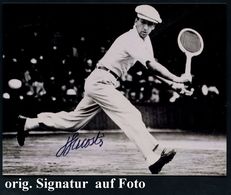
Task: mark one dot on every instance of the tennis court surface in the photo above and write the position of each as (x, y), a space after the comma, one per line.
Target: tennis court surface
(197, 154)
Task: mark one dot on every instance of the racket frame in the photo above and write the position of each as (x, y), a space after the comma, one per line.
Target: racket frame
(189, 54)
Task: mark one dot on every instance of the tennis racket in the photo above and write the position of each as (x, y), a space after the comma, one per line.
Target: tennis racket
(191, 43)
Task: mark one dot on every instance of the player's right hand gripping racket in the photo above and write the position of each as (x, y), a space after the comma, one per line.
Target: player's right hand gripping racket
(191, 43)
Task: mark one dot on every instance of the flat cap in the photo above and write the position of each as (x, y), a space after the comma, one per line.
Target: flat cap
(148, 12)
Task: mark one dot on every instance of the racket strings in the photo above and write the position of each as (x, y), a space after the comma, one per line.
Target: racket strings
(190, 41)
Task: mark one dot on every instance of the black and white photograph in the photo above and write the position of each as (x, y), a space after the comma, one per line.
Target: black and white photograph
(114, 89)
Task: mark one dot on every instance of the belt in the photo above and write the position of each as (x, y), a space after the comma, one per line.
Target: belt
(106, 69)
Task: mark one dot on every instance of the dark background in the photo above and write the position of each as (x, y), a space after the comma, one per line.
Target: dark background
(102, 22)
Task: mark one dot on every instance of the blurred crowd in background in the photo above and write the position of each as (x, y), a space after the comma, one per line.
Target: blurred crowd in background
(56, 71)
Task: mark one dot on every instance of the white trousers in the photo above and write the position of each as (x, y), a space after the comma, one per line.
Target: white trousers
(101, 93)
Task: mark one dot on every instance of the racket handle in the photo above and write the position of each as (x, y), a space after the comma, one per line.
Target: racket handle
(188, 65)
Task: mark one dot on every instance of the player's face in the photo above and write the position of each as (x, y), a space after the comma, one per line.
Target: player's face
(144, 27)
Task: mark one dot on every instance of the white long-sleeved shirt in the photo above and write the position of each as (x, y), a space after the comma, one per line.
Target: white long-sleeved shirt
(125, 51)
